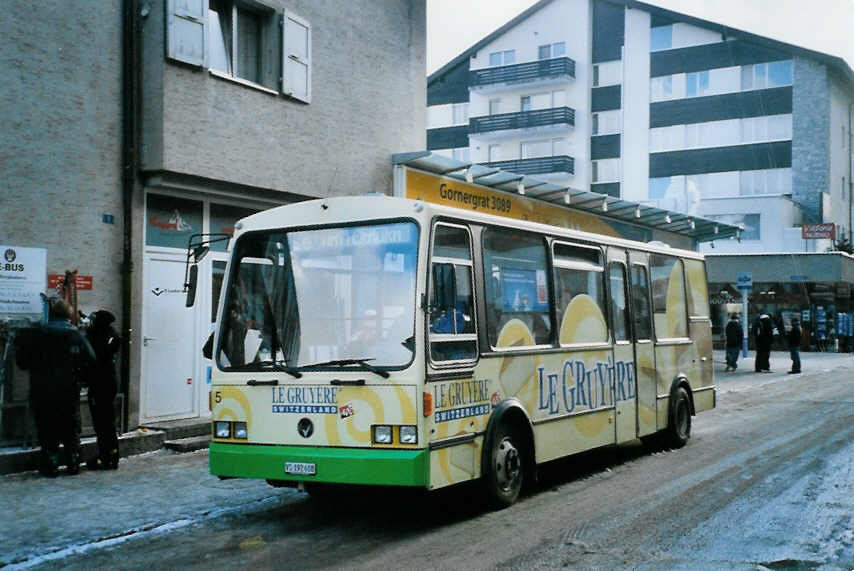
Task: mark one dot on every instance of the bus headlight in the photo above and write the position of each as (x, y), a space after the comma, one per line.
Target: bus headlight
(408, 434)
(382, 434)
(222, 429)
(240, 430)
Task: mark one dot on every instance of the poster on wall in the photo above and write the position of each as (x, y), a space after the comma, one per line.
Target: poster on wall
(23, 278)
(170, 221)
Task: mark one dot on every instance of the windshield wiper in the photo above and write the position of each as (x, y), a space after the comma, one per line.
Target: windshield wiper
(363, 363)
(277, 366)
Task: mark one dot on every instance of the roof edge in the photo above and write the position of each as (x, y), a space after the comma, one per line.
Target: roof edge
(485, 40)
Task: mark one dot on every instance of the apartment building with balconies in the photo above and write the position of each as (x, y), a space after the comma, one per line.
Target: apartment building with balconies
(633, 101)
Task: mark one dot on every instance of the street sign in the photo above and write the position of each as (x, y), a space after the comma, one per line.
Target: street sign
(824, 231)
(744, 280)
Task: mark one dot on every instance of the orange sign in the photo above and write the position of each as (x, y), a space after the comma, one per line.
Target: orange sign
(83, 282)
(453, 192)
(826, 231)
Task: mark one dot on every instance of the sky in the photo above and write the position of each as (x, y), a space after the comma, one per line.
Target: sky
(822, 25)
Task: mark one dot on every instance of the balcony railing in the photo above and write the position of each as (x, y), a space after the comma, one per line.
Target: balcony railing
(522, 120)
(537, 165)
(522, 72)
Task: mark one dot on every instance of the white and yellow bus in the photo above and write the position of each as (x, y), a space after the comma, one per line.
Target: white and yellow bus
(387, 341)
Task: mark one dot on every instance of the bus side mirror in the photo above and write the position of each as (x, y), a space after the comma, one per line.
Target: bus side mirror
(191, 285)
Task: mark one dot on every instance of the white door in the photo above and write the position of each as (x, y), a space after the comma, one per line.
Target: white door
(169, 338)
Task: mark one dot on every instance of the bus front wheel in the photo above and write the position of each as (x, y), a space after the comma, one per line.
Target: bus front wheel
(506, 468)
(679, 427)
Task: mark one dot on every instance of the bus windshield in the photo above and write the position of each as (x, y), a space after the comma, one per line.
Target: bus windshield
(299, 298)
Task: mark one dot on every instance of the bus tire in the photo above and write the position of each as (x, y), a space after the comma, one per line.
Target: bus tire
(679, 428)
(506, 470)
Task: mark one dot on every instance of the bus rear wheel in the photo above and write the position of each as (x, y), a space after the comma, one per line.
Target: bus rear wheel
(506, 470)
(679, 427)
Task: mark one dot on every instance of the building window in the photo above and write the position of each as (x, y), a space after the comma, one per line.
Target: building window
(494, 106)
(235, 40)
(608, 122)
(460, 113)
(526, 103)
(696, 83)
(549, 51)
(595, 129)
(494, 153)
(661, 88)
(766, 75)
(243, 41)
(595, 76)
(765, 181)
(660, 38)
(461, 154)
(606, 170)
(506, 57)
(749, 224)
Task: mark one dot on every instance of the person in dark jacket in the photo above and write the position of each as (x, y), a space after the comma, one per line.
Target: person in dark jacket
(58, 357)
(764, 334)
(734, 336)
(794, 339)
(102, 389)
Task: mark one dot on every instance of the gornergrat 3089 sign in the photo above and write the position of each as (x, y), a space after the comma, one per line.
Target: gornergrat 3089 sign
(23, 273)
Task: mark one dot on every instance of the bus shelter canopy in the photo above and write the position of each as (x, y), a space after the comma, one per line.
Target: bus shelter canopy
(602, 205)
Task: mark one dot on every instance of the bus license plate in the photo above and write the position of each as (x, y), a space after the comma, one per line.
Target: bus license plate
(300, 468)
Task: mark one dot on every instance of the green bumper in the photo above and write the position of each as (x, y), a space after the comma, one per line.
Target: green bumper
(334, 465)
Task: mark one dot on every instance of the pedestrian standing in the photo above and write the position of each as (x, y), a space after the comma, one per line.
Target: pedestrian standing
(102, 389)
(794, 339)
(57, 356)
(734, 336)
(764, 334)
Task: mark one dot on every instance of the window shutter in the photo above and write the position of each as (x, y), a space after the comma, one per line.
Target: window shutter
(296, 57)
(186, 31)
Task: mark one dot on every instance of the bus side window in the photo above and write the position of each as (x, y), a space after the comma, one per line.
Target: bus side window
(640, 299)
(619, 313)
(579, 294)
(517, 297)
(668, 297)
(452, 322)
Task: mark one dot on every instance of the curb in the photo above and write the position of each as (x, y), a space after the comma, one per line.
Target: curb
(130, 444)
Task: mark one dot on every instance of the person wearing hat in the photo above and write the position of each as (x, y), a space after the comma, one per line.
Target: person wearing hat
(794, 339)
(58, 358)
(102, 389)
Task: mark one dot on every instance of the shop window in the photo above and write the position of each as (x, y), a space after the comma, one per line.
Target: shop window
(668, 297)
(452, 322)
(223, 218)
(579, 294)
(171, 221)
(517, 300)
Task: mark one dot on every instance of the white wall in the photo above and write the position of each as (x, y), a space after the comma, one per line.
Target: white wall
(778, 214)
(635, 139)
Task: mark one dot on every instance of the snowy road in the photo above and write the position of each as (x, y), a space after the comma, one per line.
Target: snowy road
(766, 481)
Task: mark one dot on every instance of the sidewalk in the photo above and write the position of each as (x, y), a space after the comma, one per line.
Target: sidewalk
(181, 436)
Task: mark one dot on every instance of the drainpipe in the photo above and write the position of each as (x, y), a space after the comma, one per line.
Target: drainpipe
(130, 168)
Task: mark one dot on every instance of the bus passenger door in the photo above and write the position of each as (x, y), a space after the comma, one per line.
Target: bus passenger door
(623, 378)
(644, 347)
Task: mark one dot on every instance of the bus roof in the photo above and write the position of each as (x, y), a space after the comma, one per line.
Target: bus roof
(349, 209)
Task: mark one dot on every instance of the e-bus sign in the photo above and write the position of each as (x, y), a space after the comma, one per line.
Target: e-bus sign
(22, 280)
(744, 280)
(824, 231)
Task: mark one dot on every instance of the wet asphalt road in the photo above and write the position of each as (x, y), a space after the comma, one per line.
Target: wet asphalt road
(767, 481)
